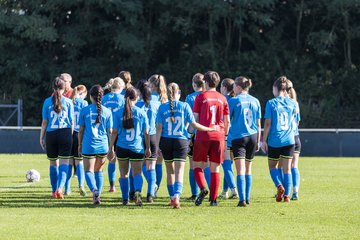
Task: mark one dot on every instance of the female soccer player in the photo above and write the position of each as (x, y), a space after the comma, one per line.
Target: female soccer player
(95, 123)
(159, 94)
(229, 181)
(295, 161)
(244, 134)
(210, 108)
(57, 125)
(126, 77)
(279, 136)
(114, 101)
(150, 107)
(79, 93)
(172, 119)
(131, 125)
(198, 85)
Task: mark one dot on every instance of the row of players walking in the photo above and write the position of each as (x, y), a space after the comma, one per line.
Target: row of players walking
(145, 126)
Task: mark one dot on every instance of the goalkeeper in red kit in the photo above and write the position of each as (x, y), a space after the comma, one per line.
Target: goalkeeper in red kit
(210, 108)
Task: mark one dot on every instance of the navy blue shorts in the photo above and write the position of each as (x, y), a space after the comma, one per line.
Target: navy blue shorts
(174, 149)
(244, 147)
(283, 152)
(75, 147)
(59, 144)
(191, 145)
(124, 154)
(297, 144)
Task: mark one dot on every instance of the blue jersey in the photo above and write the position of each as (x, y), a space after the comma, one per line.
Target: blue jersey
(78, 105)
(281, 111)
(123, 92)
(63, 119)
(296, 121)
(245, 110)
(190, 99)
(182, 114)
(95, 139)
(113, 101)
(131, 139)
(151, 111)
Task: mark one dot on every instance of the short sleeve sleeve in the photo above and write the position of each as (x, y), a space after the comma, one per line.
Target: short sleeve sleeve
(267, 110)
(44, 112)
(259, 110)
(71, 112)
(226, 108)
(109, 123)
(82, 118)
(189, 116)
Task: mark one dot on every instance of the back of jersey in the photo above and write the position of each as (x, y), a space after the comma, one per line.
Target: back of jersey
(113, 101)
(211, 107)
(63, 119)
(281, 111)
(78, 105)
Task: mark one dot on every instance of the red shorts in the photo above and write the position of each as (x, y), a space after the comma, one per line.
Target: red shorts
(212, 148)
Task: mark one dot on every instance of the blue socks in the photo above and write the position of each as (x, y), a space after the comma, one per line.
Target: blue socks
(131, 181)
(296, 179)
(248, 180)
(158, 169)
(124, 186)
(228, 174)
(287, 183)
(54, 171)
(207, 175)
(63, 169)
(241, 187)
(194, 187)
(151, 175)
(225, 184)
(68, 179)
(99, 178)
(90, 181)
(138, 182)
(274, 173)
(170, 190)
(178, 186)
(144, 171)
(281, 175)
(80, 174)
(112, 173)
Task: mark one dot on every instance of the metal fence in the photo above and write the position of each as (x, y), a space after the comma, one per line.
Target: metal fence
(315, 142)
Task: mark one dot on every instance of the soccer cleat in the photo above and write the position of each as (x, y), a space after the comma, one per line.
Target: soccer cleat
(233, 195)
(137, 198)
(156, 189)
(53, 195)
(176, 203)
(203, 193)
(213, 203)
(172, 202)
(96, 197)
(295, 197)
(280, 193)
(59, 194)
(286, 198)
(241, 204)
(247, 202)
(224, 195)
(112, 189)
(82, 191)
(67, 193)
(125, 202)
(192, 198)
(132, 196)
(149, 198)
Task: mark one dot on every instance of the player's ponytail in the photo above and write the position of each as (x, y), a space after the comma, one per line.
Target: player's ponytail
(228, 84)
(243, 82)
(126, 77)
(58, 85)
(130, 96)
(281, 83)
(198, 81)
(159, 85)
(96, 92)
(172, 89)
(145, 91)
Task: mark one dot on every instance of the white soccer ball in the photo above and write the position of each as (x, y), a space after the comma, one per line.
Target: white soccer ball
(32, 176)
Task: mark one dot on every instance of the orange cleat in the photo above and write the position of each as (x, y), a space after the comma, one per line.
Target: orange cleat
(53, 195)
(176, 203)
(280, 193)
(59, 194)
(172, 203)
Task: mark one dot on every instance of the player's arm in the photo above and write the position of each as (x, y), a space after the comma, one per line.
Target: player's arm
(42, 133)
(267, 125)
(158, 133)
(226, 124)
(80, 138)
(200, 127)
(258, 122)
(147, 143)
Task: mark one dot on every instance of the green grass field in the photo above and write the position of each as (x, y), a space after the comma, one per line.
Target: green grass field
(328, 208)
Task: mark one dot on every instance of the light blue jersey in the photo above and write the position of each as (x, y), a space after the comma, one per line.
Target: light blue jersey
(113, 101)
(245, 110)
(61, 120)
(155, 96)
(131, 139)
(95, 140)
(281, 111)
(182, 114)
(151, 111)
(78, 105)
(190, 99)
(296, 121)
